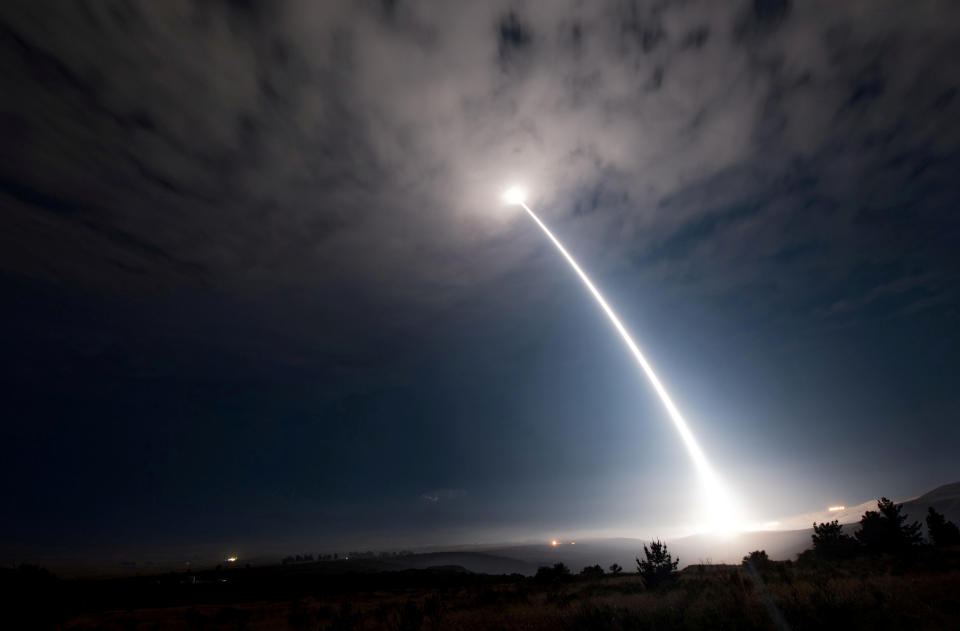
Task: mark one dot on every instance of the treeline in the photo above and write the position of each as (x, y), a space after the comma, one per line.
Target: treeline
(656, 568)
(883, 531)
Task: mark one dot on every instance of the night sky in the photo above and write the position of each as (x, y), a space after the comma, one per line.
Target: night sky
(258, 285)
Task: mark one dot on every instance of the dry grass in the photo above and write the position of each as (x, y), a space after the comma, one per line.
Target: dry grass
(716, 597)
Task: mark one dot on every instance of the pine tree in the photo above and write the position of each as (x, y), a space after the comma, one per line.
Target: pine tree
(658, 566)
(884, 530)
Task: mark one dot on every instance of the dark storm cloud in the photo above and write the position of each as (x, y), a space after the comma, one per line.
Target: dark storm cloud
(286, 214)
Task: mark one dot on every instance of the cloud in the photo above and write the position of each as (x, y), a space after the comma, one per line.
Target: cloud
(443, 495)
(248, 146)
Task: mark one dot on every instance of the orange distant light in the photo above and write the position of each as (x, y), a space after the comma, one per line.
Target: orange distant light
(834, 509)
(554, 542)
(573, 543)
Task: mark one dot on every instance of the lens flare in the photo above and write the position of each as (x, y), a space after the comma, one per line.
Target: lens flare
(721, 512)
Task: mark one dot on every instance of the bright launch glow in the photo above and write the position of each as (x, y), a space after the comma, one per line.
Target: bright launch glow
(721, 513)
(834, 509)
(515, 195)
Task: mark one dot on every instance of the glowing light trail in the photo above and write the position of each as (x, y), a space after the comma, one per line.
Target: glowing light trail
(720, 505)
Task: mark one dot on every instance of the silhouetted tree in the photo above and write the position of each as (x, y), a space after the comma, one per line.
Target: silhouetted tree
(658, 566)
(758, 558)
(615, 568)
(884, 530)
(830, 542)
(558, 572)
(592, 571)
(943, 533)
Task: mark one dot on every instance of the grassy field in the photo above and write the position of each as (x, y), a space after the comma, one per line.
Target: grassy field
(858, 594)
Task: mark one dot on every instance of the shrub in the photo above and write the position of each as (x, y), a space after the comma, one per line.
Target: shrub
(558, 572)
(758, 558)
(830, 542)
(592, 571)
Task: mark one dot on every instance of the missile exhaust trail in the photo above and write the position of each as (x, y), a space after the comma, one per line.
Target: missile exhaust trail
(716, 493)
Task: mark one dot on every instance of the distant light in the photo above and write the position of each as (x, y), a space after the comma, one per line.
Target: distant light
(554, 542)
(231, 559)
(834, 509)
(573, 543)
(514, 195)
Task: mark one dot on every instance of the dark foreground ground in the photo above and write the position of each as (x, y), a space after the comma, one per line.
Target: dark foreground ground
(866, 593)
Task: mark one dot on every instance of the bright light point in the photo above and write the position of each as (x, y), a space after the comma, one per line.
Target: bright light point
(514, 195)
(721, 511)
(573, 543)
(834, 509)
(554, 542)
(231, 559)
